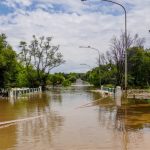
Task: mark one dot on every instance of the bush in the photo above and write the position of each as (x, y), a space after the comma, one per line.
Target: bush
(66, 83)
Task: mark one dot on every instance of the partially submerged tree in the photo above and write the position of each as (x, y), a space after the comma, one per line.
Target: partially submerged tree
(42, 55)
(112, 63)
(117, 50)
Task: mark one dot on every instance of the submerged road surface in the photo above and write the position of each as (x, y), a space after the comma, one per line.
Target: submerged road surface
(74, 119)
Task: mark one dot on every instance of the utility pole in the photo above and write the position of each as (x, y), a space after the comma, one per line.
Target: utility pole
(99, 61)
(126, 41)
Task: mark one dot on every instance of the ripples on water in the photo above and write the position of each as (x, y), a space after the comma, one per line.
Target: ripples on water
(67, 126)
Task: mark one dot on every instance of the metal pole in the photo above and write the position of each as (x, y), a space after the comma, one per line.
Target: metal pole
(98, 61)
(85, 65)
(90, 71)
(126, 59)
(126, 42)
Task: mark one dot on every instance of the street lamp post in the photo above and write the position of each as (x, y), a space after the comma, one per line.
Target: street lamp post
(125, 32)
(89, 72)
(85, 65)
(99, 63)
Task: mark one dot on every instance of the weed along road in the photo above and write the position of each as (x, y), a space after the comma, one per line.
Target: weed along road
(73, 119)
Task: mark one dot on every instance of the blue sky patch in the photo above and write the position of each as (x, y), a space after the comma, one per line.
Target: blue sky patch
(52, 8)
(5, 10)
(90, 7)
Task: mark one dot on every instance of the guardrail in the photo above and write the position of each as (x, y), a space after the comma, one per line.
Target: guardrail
(17, 92)
(112, 90)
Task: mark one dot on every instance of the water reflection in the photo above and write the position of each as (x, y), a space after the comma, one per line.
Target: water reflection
(27, 134)
(103, 125)
(135, 112)
(127, 117)
(55, 94)
(8, 137)
(39, 132)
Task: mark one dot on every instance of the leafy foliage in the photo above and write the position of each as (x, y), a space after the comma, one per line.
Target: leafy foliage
(117, 53)
(139, 67)
(105, 76)
(112, 68)
(42, 56)
(39, 57)
(8, 64)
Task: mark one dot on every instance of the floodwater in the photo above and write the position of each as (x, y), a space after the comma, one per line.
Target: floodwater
(73, 119)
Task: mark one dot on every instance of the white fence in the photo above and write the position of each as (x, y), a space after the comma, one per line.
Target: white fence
(17, 92)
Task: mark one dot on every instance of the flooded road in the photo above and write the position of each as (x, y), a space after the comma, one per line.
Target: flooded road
(73, 119)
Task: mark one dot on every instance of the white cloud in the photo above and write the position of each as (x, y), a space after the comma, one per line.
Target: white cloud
(12, 3)
(71, 30)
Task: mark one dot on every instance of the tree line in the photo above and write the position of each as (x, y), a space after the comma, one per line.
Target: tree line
(32, 65)
(111, 71)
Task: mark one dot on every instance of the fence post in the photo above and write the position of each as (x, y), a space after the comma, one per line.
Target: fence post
(118, 95)
(11, 93)
(40, 88)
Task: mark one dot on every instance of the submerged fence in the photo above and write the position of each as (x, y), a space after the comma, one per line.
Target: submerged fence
(4, 92)
(18, 92)
(107, 89)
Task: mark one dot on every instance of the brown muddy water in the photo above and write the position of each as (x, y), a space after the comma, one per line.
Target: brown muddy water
(68, 121)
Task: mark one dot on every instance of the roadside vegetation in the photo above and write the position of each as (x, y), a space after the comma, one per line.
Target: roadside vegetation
(111, 70)
(31, 66)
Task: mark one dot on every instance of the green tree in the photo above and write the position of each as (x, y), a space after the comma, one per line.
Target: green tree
(117, 52)
(23, 79)
(8, 64)
(106, 76)
(138, 67)
(57, 79)
(72, 77)
(42, 55)
(66, 83)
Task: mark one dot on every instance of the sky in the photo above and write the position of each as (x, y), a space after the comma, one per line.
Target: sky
(72, 24)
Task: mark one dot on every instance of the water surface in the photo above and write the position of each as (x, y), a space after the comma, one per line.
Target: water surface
(73, 119)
